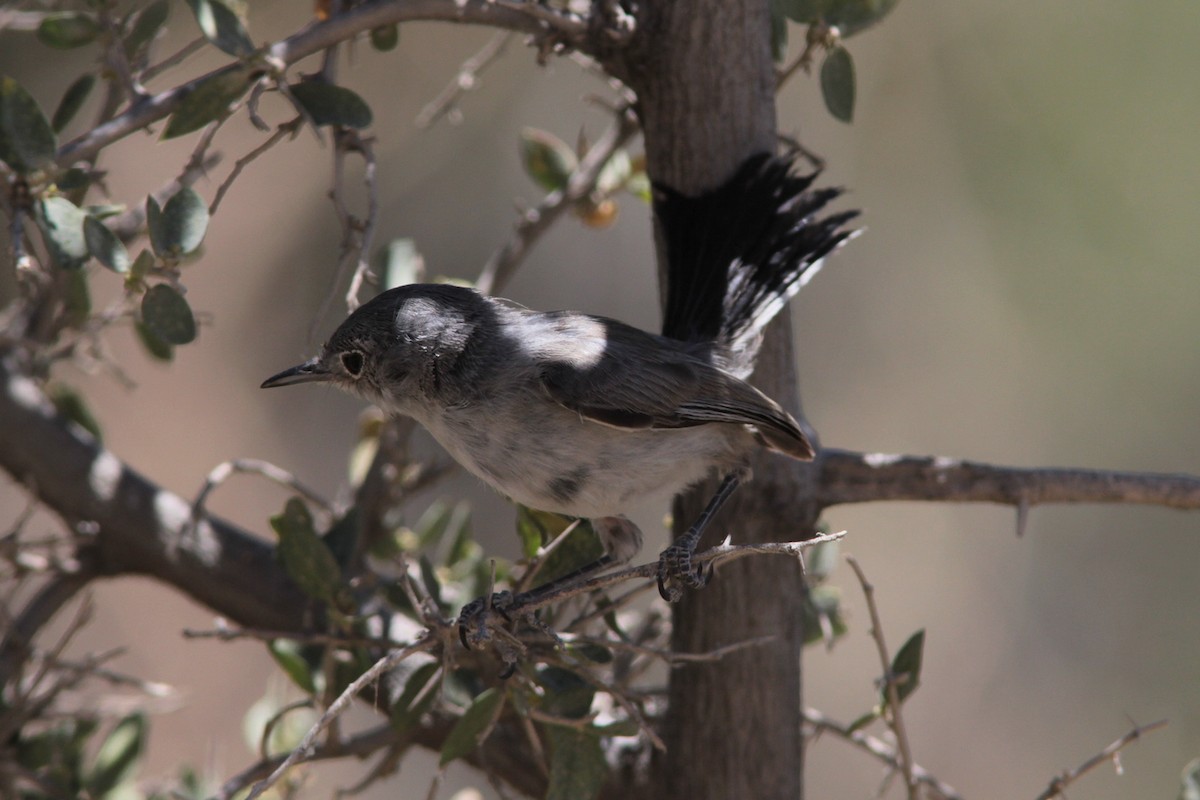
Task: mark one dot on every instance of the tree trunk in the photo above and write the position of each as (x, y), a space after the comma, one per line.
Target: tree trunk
(705, 83)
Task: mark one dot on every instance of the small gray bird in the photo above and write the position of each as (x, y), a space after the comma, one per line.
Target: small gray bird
(583, 415)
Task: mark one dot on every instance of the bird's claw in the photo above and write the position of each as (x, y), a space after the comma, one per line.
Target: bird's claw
(675, 568)
(474, 618)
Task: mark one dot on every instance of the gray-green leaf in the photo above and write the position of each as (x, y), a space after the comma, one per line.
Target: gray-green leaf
(906, 667)
(306, 559)
(67, 29)
(167, 314)
(548, 159)
(146, 27)
(837, 84)
(71, 405)
(290, 658)
(405, 713)
(61, 222)
(155, 346)
(104, 245)
(117, 756)
(177, 228)
(577, 765)
(209, 101)
(853, 16)
(385, 37)
(26, 138)
(328, 104)
(221, 26)
(468, 732)
(72, 101)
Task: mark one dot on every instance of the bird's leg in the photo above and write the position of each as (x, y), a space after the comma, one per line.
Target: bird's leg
(675, 563)
(621, 540)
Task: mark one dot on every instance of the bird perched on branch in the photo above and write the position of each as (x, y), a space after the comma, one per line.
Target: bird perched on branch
(584, 415)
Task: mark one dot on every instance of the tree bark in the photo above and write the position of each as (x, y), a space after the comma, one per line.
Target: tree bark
(705, 83)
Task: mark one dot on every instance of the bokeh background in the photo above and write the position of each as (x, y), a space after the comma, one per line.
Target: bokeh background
(1027, 293)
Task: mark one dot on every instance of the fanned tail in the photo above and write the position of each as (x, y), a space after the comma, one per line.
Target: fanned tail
(737, 254)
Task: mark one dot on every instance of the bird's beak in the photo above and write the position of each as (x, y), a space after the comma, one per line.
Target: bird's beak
(307, 372)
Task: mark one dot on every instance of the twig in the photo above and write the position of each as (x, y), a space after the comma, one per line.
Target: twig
(1111, 753)
(285, 129)
(223, 471)
(879, 749)
(894, 718)
(466, 80)
(536, 221)
(360, 746)
(305, 749)
(222, 632)
(307, 42)
(716, 654)
(849, 477)
(175, 59)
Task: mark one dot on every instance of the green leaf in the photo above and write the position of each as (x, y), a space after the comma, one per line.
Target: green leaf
(156, 347)
(430, 579)
(402, 263)
(306, 558)
(26, 139)
(837, 84)
(863, 721)
(779, 32)
(803, 11)
(208, 101)
(578, 768)
(548, 159)
(221, 26)
(328, 104)
(67, 29)
(385, 37)
(118, 755)
(431, 527)
(463, 538)
(854, 16)
(567, 694)
(70, 404)
(61, 222)
(468, 732)
(289, 655)
(72, 100)
(821, 561)
(823, 620)
(104, 245)
(73, 179)
(167, 314)
(148, 23)
(77, 298)
(580, 548)
(177, 228)
(140, 268)
(906, 667)
(615, 172)
(405, 713)
(1189, 782)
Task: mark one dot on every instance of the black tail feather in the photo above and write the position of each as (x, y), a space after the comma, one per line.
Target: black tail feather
(737, 254)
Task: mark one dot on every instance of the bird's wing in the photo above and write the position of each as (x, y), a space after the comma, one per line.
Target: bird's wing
(635, 380)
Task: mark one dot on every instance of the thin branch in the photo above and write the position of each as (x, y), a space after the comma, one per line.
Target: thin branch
(1058, 785)
(465, 81)
(286, 129)
(894, 718)
(50, 597)
(311, 40)
(223, 471)
(849, 477)
(880, 750)
(536, 221)
(306, 748)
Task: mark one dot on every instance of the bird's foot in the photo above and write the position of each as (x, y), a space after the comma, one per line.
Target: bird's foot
(676, 570)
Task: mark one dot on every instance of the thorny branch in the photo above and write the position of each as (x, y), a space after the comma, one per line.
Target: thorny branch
(879, 749)
(1059, 784)
(893, 715)
(467, 79)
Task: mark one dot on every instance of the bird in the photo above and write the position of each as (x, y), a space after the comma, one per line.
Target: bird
(584, 415)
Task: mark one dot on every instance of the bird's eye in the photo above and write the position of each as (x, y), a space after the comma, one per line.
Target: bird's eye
(352, 361)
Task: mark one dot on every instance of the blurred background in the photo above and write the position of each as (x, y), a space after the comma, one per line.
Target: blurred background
(1027, 293)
